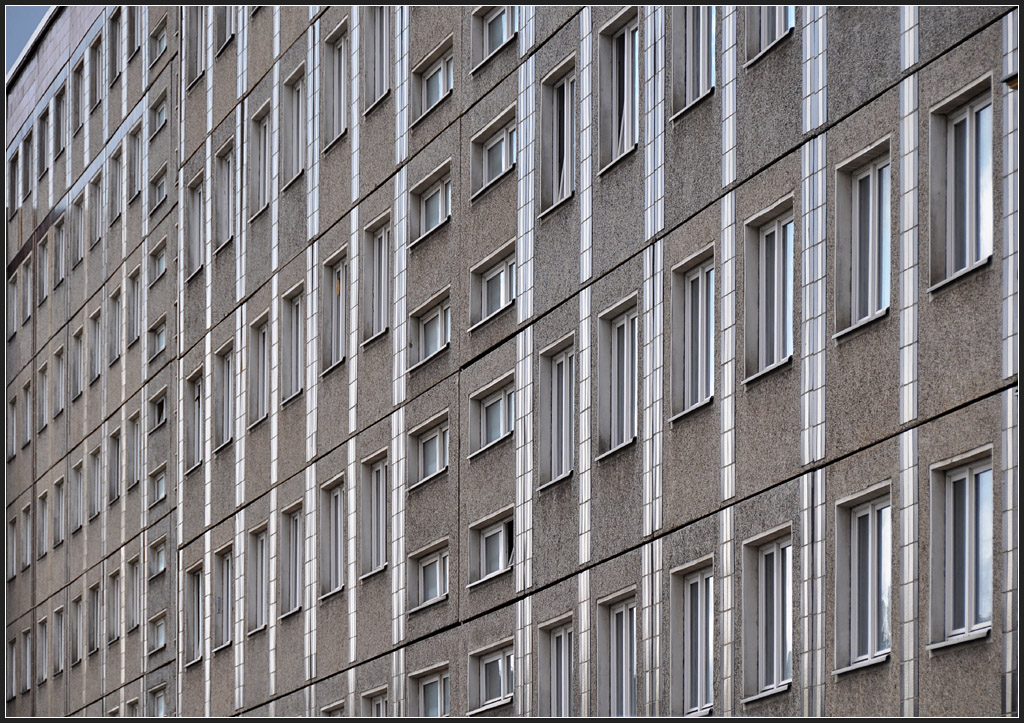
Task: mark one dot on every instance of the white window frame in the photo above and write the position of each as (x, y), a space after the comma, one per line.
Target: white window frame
(76, 631)
(436, 437)
(561, 424)
(195, 43)
(134, 306)
(42, 651)
(114, 466)
(695, 327)
(157, 558)
(443, 702)
(194, 421)
(157, 632)
(95, 483)
(224, 26)
(95, 601)
(975, 245)
(291, 560)
(157, 704)
(765, 26)
(113, 607)
(59, 249)
(76, 492)
(561, 165)
(43, 270)
(59, 381)
(379, 299)
(336, 310)
(114, 327)
(504, 531)
(378, 53)
(257, 579)
(698, 641)
(507, 137)
(694, 60)
(259, 158)
(560, 666)
(505, 272)
(870, 248)
(505, 399)
(333, 539)
(433, 342)
(224, 195)
(507, 13)
(224, 391)
(195, 226)
(157, 485)
(444, 69)
(293, 136)
(878, 575)
(259, 370)
(293, 348)
(442, 190)
(439, 559)
(504, 659)
(624, 111)
(622, 395)
(774, 604)
(622, 659)
(57, 641)
(775, 303)
(133, 595)
(375, 523)
(158, 261)
(158, 337)
(114, 185)
(58, 511)
(223, 598)
(134, 449)
(336, 85)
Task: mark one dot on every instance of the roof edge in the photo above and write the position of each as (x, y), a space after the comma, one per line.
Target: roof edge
(33, 41)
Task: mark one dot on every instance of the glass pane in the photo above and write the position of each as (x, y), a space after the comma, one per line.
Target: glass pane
(492, 680)
(863, 585)
(492, 294)
(557, 683)
(958, 234)
(693, 349)
(430, 580)
(709, 622)
(768, 623)
(770, 308)
(884, 564)
(492, 553)
(433, 88)
(619, 392)
(495, 161)
(618, 664)
(430, 699)
(787, 612)
(430, 457)
(492, 418)
(983, 183)
(983, 547)
(959, 543)
(495, 32)
(558, 403)
(693, 646)
(431, 210)
(787, 290)
(882, 271)
(431, 335)
(862, 270)
(709, 333)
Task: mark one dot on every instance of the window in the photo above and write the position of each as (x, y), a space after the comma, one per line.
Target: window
(558, 398)
(26, 537)
(693, 625)
(195, 222)
(495, 547)
(766, 24)
(433, 693)
(431, 451)
(158, 189)
(431, 582)
(962, 201)
(961, 557)
(379, 300)
(158, 40)
(864, 534)
(26, 661)
(620, 80)
(259, 159)
(12, 427)
(95, 483)
(60, 104)
(78, 95)
(768, 580)
(12, 183)
(26, 414)
(558, 141)
(693, 53)
(494, 150)
(132, 706)
(619, 363)
(26, 166)
(195, 29)
(374, 510)
(58, 512)
(114, 467)
(492, 28)
(42, 524)
(492, 414)
(224, 195)
(134, 162)
(42, 650)
(224, 25)
(378, 54)
(95, 210)
(12, 668)
(76, 497)
(113, 607)
(158, 114)
(133, 595)
(77, 230)
(621, 652)
(257, 580)
(335, 280)
(94, 618)
(134, 24)
(43, 414)
(432, 202)
(432, 329)
(224, 396)
(158, 338)
(259, 362)
(556, 653)
(494, 284)
(114, 327)
(114, 186)
(134, 450)
(157, 557)
(375, 706)
(194, 614)
(27, 302)
(12, 548)
(694, 336)
(292, 352)
(157, 706)
(157, 486)
(434, 78)
(333, 537)
(76, 630)
(134, 304)
(59, 249)
(769, 294)
(223, 603)
(12, 305)
(158, 261)
(194, 420)
(76, 364)
(291, 560)
(494, 676)
(336, 85)
(58, 640)
(157, 633)
(114, 46)
(293, 136)
(42, 143)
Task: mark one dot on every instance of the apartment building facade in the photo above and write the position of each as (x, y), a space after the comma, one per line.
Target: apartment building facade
(513, 360)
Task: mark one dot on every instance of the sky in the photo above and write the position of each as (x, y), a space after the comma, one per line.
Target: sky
(21, 22)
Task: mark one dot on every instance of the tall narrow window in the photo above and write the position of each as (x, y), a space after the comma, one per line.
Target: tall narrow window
(291, 560)
(224, 25)
(77, 490)
(78, 96)
(775, 614)
(134, 24)
(292, 357)
(134, 451)
(496, 675)
(43, 143)
(433, 693)
(378, 52)
(43, 415)
(433, 329)
(194, 420)
(134, 304)
(336, 85)
(693, 53)
(870, 579)
(223, 604)
(114, 187)
(59, 250)
(622, 659)
(134, 162)
(259, 159)
(623, 344)
(114, 46)
(95, 483)
(293, 137)
(58, 640)
(335, 279)
(26, 166)
(76, 364)
(431, 576)
(765, 24)
(379, 268)
(114, 467)
(694, 305)
(95, 210)
(560, 673)
(561, 389)
(224, 196)
(133, 595)
(374, 516)
(333, 542)
(560, 170)
(774, 301)
(259, 361)
(869, 268)
(195, 226)
(94, 618)
(620, 77)
(58, 512)
(114, 327)
(26, 536)
(436, 77)
(496, 552)
(195, 29)
(42, 650)
(194, 614)
(257, 580)
(60, 110)
(113, 607)
(76, 630)
(698, 650)
(431, 450)
(77, 230)
(493, 413)
(42, 524)
(224, 389)
(969, 205)
(492, 28)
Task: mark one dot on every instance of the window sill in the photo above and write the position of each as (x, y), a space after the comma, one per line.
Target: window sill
(618, 159)
(768, 48)
(331, 367)
(377, 103)
(956, 640)
(447, 94)
(492, 576)
(556, 205)
(193, 274)
(131, 343)
(158, 204)
(223, 445)
(335, 142)
(490, 445)
(702, 713)
(423, 362)
(487, 58)
(420, 483)
(157, 649)
(491, 706)
(415, 242)
(115, 219)
(157, 501)
(870, 662)
(691, 409)
(193, 468)
(157, 278)
(556, 481)
(429, 603)
(768, 370)
(374, 571)
(959, 275)
(492, 315)
(289, 613)
(294, 179)
(224, 45)
(290, 398)
(491, 183)
(133, 196)
(330, 593)
(156, 130)
(373, 337)
(851, 330)
(195, 81)
(256, 630)
(259, 212)
(257, 422)
(781, 688)
(192, 662)
(615, 450)
(157, 57)
(157, 353)
(222, 646)
(687, 108)
(223, 244)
